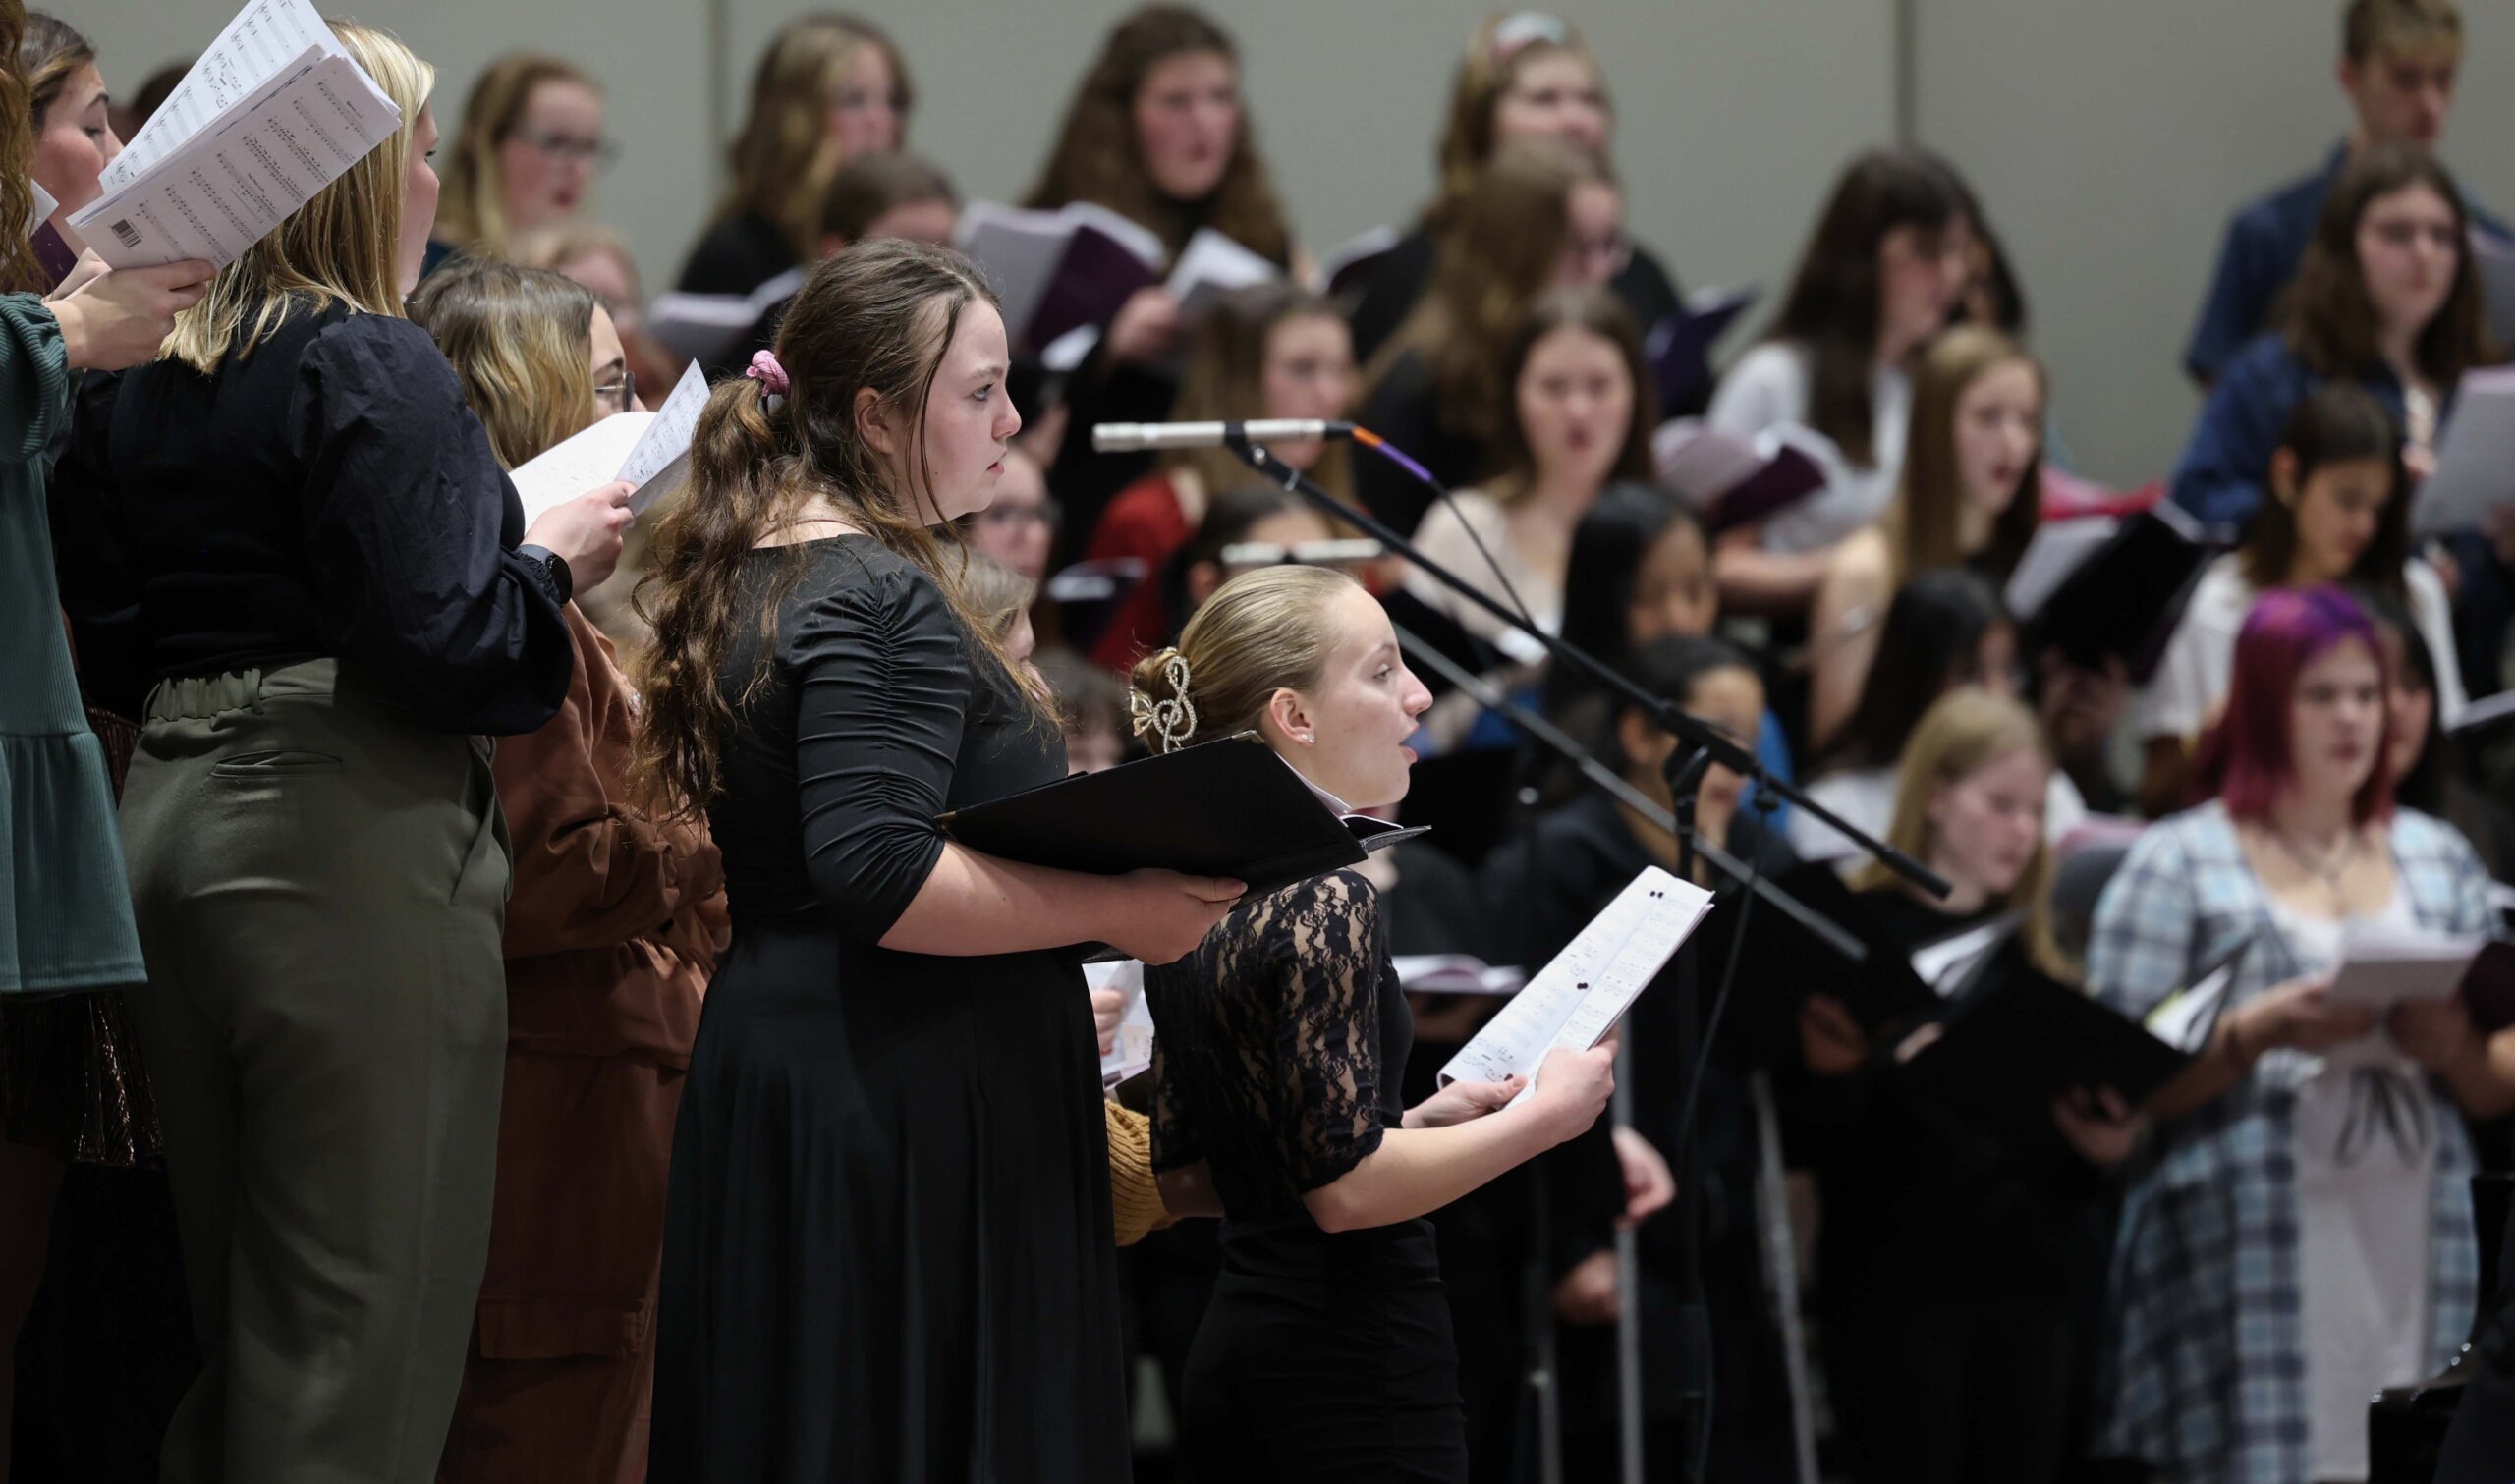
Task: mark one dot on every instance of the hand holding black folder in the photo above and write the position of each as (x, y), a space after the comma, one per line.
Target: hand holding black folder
(2016, 1038)
(2125, 598)
(1229, 807)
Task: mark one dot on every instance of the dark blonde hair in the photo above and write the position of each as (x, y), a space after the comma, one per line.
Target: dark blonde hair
(18, 270)
(519, 341)
(878, 317)
(1498, 253)
(1920, 527)
(471, 209)
(785, 156)
(1261, 632)
(1488, 72)
(343, 247)
(2395, 26)
(1964, 731)
(1225, 378)
(998, 595)
(1095, 157)
(871, 185)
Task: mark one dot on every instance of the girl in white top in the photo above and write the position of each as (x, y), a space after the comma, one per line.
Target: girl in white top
(2338, 511)
(1580, 416)
(1885, 268)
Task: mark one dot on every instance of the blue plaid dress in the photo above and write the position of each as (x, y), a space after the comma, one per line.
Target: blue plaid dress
(2207, 1355)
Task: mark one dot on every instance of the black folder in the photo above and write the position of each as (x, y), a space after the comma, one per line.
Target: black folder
(1781, 963)
(2017, 1038)
(2123, 601)
(1228, 807)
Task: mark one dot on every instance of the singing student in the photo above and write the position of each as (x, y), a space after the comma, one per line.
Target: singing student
(609, 939)
(1954, 1264)
(1885, 265)
(1158, 132)
(327, 591)
(1280, 1046)
(2303, 1230)
(886, 1239)
(524, 158)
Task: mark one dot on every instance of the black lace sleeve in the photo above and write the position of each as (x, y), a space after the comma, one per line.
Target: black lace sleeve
(1322, 940)
(1173, 1132)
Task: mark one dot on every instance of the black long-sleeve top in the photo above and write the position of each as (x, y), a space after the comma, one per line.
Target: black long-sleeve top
(327, 495)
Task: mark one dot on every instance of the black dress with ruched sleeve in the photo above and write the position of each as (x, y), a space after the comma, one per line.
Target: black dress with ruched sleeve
(888, 1250)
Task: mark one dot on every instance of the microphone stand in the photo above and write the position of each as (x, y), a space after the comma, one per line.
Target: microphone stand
(1700, 744)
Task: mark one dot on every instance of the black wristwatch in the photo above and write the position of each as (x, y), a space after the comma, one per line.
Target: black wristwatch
(555, 574)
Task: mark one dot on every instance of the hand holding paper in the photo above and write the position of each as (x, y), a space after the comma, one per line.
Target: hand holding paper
(639, 448)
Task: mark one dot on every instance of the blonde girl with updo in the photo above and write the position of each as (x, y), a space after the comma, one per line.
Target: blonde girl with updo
(887, 1235)
(1280, 1045)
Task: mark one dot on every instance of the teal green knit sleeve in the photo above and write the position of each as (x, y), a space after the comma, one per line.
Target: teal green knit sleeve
(34, 375)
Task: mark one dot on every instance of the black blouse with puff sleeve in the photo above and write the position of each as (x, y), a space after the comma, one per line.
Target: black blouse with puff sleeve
(1279, 1053)
(327, 495)
(887, 1247)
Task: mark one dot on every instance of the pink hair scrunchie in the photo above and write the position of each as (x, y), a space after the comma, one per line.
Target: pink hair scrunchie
(765, 371)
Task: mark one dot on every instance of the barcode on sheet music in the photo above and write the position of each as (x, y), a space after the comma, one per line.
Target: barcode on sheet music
(128, 234)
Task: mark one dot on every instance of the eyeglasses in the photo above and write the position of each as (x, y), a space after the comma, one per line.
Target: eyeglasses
(571, 148)
(621, 394)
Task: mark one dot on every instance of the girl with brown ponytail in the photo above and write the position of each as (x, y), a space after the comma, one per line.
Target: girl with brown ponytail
(1280, 1045)
(887, 1236)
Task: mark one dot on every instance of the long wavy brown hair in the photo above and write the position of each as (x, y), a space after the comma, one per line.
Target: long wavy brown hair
(1921, 525)
(785, 155)
(2331, 323)
(1498, 253)
(1495, 57)
(1225, 377)
(1600, 312)
(1096, 159)
(18, 270)
(878, 316)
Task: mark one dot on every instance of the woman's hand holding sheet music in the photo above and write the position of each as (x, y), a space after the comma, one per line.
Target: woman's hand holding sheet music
(586, 531)
(1460, 1101)
(1146, 328)
(1573, 1087)
(2098, 1126)
(2297, 1013)
(2437, 1034)
(1108, 1008)
(119, 317)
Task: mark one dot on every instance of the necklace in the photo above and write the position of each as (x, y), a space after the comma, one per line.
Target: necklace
(2328, 870)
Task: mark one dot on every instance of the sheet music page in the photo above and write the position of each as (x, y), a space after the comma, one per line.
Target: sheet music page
(1020, 252)
(1212, 265)
(1942, 965)
(45, 205)
(1573, 1000)
(2473, 456)
(2188, 1015)
(667, 437)
(568, 470)
(226, 190)
(263, 39)
(1132, 1050)
(2383, 966)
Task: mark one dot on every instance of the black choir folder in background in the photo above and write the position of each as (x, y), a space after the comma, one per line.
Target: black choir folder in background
(2016, 1038)
(1229, 807)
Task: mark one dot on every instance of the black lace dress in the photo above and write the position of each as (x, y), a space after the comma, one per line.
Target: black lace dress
(1280, 1045)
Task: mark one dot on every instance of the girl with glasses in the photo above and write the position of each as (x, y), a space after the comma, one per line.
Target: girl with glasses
(524, 158)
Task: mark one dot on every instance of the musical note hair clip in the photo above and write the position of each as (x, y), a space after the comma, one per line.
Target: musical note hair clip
(770, 376)
(1171, 722)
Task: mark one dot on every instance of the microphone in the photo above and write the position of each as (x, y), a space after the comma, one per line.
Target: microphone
(1148, 437)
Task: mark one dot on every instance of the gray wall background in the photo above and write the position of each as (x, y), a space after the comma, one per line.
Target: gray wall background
(2110, 142)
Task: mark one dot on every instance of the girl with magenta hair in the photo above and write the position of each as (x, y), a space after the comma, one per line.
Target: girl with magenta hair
(2301, 1236)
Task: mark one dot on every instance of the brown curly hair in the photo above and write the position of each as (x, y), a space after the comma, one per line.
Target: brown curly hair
(785, 156)
(1096, 159)
(879, 317)
(18, 270)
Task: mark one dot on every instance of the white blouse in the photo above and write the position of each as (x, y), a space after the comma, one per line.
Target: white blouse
(1767, 388)
(2198, 669)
